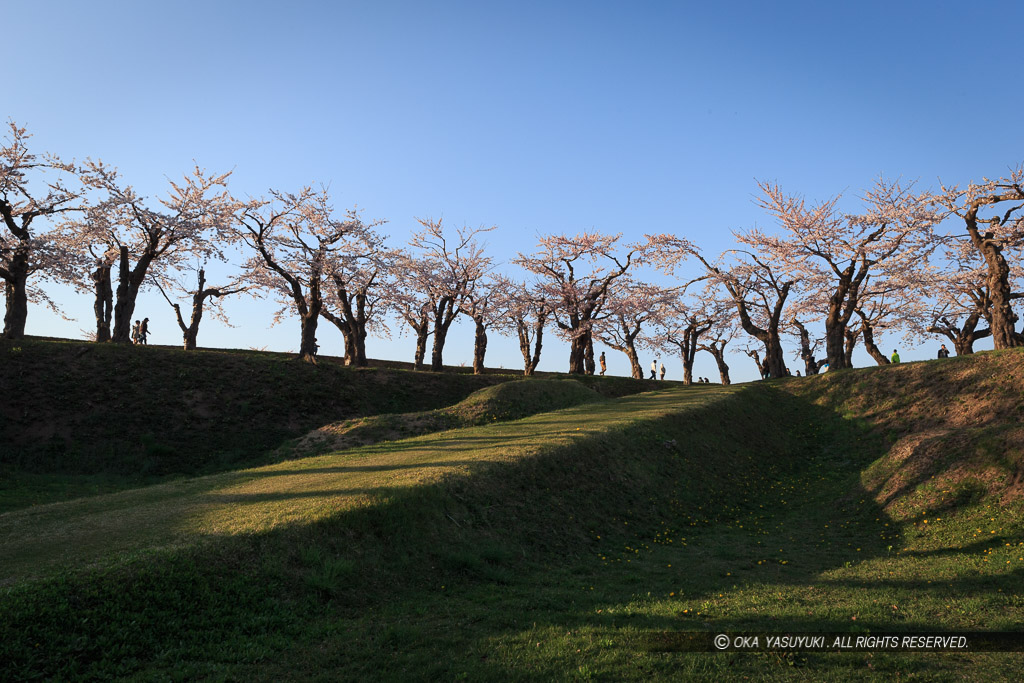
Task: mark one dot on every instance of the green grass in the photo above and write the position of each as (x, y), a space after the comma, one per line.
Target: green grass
(562, 546)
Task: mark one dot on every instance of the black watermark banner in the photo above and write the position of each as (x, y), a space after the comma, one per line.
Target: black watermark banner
(903, 641)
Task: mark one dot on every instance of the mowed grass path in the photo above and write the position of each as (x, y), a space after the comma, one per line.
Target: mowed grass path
(99, 529)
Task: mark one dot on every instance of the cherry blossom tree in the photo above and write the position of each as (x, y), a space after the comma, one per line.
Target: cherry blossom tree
(203, 299)
(831, 253)
(756, 287)
(193, 222)
(955, 300)
(755, 355)
(358, 291)
(525, 311)
(630, 305)
(25, 250)
(723, 330)
(411, 303)
(682, 326)
(575, 274)
(443, 272)
(759, 293)
(483, 306)
(808, 347)
(994, 238)
(297, 238)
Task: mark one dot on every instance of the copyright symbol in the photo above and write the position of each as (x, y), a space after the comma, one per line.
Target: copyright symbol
(721, 641)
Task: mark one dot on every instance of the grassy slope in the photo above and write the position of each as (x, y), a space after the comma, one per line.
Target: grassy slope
(528, 549)
(506, 401)
(104, 417)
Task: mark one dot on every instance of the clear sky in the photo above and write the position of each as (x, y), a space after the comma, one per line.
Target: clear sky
(537, 117)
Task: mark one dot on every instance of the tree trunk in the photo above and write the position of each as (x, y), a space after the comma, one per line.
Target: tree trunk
(350, 344)
(307, 339)
(422, 332)
(723, 368)
(479, 346)
(835, 347)
(16, 297)
(129, 281)
(444, 313)
(530, 361)
(578, 353)
(634, 360)
(589, 358)
(103, 305)
(1002, 319)
(756, 357)
(868, 333)
(810, 364)
(851, 344)
(436, 353)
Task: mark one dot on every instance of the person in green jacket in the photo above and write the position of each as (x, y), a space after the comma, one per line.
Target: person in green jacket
(895, 357)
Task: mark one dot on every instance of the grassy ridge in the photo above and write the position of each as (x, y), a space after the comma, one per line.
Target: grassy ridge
(82, 419)
(506, 401)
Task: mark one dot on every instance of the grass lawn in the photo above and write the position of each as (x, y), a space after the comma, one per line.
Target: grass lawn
(562, 546)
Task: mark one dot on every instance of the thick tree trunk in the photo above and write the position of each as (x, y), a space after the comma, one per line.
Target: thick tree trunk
(129, 281)
(479, 346)
(578, 354)
(774, 359)
(422, 332)
(851, 344)
(444, 313)
(437, 352)
(687, 370)
(1002, 319)
(723, 368)
(307, 338)
(16, 298)
(634, 360)
(835, 347)
(103, 304)
(591, 365)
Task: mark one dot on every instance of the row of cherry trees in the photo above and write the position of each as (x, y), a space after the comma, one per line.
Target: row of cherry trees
(886, 268)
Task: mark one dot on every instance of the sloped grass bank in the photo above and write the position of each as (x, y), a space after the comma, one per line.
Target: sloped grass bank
(519, 502)
(510, 400)
(80, 419)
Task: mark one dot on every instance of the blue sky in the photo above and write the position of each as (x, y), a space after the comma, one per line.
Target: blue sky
(535, 117)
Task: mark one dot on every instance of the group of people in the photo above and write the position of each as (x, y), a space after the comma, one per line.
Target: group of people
(140, 331)
(653, 370)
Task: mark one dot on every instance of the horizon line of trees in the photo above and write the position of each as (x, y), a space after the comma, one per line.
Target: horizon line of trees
(852, 276)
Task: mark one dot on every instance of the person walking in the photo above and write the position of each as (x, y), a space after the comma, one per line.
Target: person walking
(654, 369)
(144, 331)
(604, 366)
(943, 352)
(662, 371)
(135, 332)
(895, 357)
